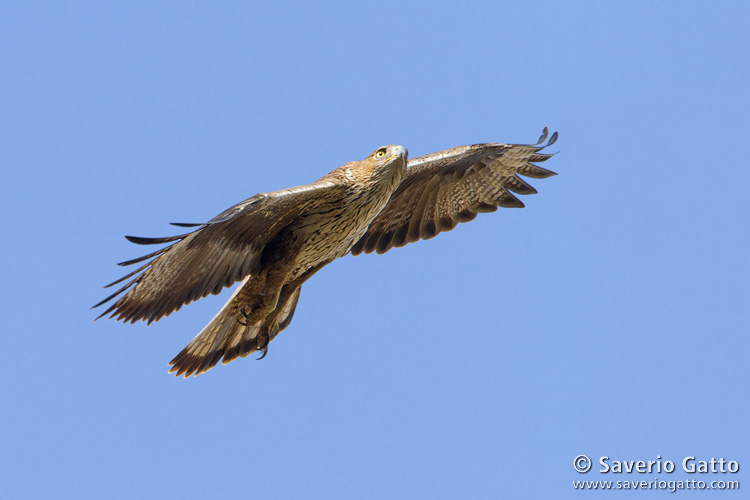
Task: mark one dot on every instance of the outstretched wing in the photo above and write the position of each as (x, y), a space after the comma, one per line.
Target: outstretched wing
(219, 253)
(445, 188)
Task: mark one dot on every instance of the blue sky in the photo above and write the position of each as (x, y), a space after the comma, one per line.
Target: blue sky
(609, 317)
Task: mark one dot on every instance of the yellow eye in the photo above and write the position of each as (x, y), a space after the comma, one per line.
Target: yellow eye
(380, 153)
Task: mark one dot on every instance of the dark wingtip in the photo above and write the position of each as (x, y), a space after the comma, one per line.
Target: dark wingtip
(188, 224)
(140, 240)
(543, 137)
(102, 302)
(552, 139)
(104, 313)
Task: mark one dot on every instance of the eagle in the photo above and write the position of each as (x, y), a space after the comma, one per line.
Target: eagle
(273, 242)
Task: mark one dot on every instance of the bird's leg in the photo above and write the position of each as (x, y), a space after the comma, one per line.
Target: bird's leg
(257, 309)
(260, 298)
(271, 327)
(246, 297)
(273, 288)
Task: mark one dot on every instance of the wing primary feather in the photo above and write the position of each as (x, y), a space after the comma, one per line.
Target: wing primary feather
(141, 259)
(118, 292)
(535, 171)
(507, 200)
(188, 224)
(140, 240)
(129, 275)
(540, 157)
(544, 136)
(518, 185)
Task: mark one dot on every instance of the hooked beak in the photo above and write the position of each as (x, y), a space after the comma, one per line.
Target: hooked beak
(402, 152)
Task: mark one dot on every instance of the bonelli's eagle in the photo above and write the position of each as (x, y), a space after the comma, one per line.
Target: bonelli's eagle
(274, 242)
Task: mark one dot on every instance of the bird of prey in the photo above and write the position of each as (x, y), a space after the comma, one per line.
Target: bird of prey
(274, 242)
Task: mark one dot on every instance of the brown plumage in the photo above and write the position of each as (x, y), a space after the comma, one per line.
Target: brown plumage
(274, 242)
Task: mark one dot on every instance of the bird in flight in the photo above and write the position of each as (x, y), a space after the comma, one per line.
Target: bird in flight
(273, 242)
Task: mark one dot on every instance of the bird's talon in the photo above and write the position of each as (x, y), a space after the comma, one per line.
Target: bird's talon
(243, 323)
(263, 347)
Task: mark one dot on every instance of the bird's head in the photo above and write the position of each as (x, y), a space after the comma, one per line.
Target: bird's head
(388, 163)
(385, 168)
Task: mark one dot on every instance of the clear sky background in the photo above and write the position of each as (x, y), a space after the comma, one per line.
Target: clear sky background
(610, 317)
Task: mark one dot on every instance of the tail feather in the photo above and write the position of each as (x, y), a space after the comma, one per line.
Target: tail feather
(225, 337)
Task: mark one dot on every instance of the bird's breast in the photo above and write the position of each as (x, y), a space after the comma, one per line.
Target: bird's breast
(331, 228)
